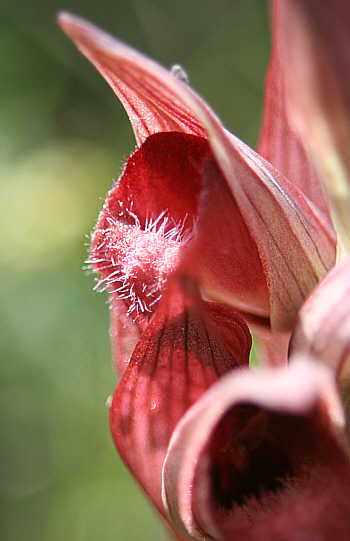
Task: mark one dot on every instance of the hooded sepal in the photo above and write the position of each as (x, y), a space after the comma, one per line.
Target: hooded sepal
(295, 245)
(143, 86)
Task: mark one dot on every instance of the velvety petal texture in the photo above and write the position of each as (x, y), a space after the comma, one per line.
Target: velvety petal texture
(186, 347)
(261, 456)
(313, 41)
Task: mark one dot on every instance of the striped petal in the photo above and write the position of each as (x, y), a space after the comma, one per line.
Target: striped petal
(278, 142)
(183, 351)
(143, 87)
(314, 43)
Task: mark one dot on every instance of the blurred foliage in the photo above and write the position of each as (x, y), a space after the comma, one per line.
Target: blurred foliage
(63, 136)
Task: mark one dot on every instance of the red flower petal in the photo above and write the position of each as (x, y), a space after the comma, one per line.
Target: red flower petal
(296, 246)
(224, 254)
(260, 456)
(279, 144)
(314, 43)
(163, 176)
(178, 357)
(147, 217)
(137, 81)
(322, 330)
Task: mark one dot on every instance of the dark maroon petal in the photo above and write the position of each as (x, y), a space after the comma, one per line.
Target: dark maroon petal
(178, 357)
(162, 176)
(279, 144)
(144, 87)
(261, 456)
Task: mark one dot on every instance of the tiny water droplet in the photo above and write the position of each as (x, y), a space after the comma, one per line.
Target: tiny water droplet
(179, 73)
(153, 405)
(150, 488)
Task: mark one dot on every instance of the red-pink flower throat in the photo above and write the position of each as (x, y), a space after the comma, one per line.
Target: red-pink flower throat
(135, 262)
(148, 215)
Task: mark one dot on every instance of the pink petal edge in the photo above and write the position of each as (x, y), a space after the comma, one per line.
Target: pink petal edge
(278, 142)
(294, 391)
(143, 86)
(323, 325)
(314, 42)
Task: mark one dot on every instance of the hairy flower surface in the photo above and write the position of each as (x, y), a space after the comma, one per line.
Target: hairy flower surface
(200, 236)
(268, 244)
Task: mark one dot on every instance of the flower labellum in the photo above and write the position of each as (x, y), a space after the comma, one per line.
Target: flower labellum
(186, 347)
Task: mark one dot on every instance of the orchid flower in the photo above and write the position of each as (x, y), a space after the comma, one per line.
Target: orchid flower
(258, 243)
(200, 236)
(264, 455)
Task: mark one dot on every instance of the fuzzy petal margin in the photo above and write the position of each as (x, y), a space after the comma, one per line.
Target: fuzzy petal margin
(295, 244)
(314, 43)
(261, 456)
(186, 347)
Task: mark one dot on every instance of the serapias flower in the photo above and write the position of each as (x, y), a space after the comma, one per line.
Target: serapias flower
(259, 244)
(265, 455)
(200, 235)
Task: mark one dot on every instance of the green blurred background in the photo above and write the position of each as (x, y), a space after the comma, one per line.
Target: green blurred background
(63, 135)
